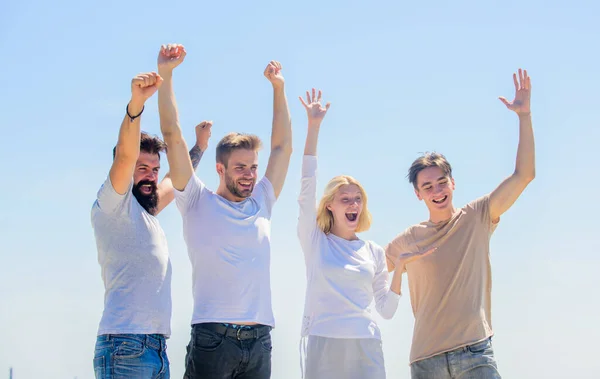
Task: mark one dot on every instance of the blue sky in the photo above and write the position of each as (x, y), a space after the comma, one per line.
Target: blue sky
(402, 78)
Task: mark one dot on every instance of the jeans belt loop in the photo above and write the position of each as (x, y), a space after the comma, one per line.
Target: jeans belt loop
(238, 334)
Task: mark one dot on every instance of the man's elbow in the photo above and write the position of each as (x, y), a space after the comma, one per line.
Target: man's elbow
(171, 135)
(531, 176)
(125, 155)
(283, 149)
(526, 177)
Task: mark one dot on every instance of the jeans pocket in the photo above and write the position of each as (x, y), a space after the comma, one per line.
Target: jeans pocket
(206, 340)
(265, 342)
(99, 367)
(480, 348)
(128, 349)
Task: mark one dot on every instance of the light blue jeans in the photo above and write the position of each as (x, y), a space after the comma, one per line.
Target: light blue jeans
(120, 356)
(475, 361)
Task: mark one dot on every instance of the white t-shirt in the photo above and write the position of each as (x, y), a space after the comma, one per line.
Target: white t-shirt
(344, 277)
(136, 269)
(229, 245)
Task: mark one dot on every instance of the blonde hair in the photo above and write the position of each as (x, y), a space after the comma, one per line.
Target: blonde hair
(234, 141)
(324, 215)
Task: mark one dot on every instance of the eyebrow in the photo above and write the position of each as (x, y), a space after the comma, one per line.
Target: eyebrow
(438, 179)
(145, 165)
(245, 165)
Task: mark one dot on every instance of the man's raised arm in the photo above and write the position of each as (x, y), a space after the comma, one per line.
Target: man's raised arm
(165, 188)
(180, 164)
(503, 197)
(281, 135)
(128, 145)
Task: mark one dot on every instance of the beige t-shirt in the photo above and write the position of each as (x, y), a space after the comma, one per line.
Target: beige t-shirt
(450, 289)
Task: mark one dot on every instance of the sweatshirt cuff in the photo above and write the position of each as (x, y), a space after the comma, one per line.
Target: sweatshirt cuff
(309, 165)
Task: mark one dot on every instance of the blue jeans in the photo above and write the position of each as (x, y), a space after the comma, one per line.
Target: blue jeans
(475, 361)
(120, 356)
(217, 351)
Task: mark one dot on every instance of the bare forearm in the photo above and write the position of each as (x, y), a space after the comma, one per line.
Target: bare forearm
(167, 108)
(525, 165)
(312, 137)
(177, 151)
(196, 155)
(281, 136)
(128, 144)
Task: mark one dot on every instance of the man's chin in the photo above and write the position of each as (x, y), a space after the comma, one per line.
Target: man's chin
(245, 192)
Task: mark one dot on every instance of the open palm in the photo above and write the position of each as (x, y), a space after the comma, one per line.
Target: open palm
(314, 109)
(520, 104)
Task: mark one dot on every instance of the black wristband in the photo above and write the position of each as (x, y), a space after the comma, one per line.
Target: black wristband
(131, 118)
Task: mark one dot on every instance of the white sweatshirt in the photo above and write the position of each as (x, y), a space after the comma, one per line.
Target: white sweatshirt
(343, 277)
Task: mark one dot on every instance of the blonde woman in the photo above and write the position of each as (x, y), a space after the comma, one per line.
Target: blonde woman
(345, 274)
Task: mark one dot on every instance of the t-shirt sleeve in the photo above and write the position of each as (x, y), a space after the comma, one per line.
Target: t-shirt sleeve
(481, 207)
(190, 195)
(109, 201)
(398, 246)
(265, 194)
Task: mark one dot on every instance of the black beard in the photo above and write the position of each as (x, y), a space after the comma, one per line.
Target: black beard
(235, 191)
(148, 202)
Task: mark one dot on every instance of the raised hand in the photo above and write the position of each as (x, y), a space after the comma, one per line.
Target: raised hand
(170, 56)
(273, 73)
(520, 104)
(315, 111)
(203, 134)
(143, 86)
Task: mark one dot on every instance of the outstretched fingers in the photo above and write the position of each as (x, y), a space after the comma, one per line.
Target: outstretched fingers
(303, 102)
(522, 76)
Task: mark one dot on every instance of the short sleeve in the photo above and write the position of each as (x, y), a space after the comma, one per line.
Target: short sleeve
(397, 246)
(190, 195)
(481, 207)
(264, 194)
(109, 201)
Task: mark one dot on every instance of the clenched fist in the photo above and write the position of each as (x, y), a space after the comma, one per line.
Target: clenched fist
(144, 85)
(170, 56)
(273, 73)
(203, 134)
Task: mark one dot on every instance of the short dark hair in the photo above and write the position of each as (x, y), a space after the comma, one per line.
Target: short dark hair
(235, 141)
(432, 159)
(149, 144)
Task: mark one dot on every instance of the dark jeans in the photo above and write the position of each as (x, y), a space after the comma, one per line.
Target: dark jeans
(216, 351)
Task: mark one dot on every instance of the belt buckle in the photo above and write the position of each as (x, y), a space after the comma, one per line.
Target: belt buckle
(238, 334)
